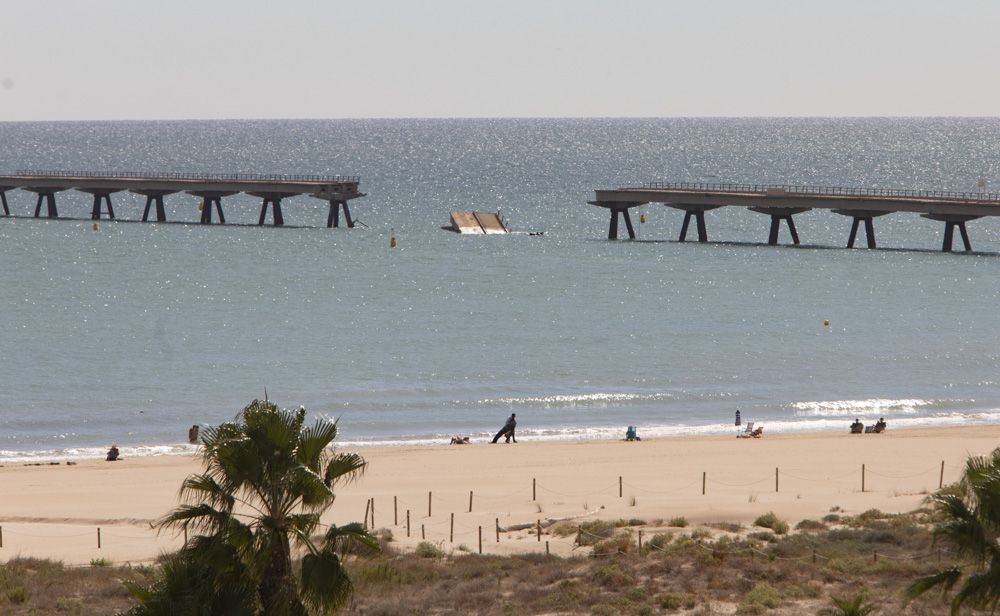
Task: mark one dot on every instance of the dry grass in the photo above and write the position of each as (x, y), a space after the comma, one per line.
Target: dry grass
(675, 574)
(29, 586)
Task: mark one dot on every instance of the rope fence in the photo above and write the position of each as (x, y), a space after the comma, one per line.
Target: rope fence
(447, 516)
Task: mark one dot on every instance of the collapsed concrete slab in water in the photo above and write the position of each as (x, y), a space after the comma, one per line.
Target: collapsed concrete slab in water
(480, 223)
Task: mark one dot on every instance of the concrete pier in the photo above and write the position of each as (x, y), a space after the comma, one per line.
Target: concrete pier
(783, 202)
(211, 188)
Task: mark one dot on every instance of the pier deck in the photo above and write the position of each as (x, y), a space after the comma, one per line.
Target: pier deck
(271, 189)
(782, 202)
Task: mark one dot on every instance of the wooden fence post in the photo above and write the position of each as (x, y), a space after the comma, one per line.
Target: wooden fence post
(451, 534)
(775, 478)
(429, 495)
(470, 501)
(423, 535)
(941, 480)
(373, 513)
(407, 522)
(534, 493)
(98, 537)
(538, 531)
(498, 529)
(480, 539)
(546, 548)
(862, 477)
(703, 483)
(619, 486)
(395, 511)
(368, 503)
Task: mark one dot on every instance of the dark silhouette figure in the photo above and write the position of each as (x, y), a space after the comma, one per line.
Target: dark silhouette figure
(507, 430)
(880, 425)
(193, 434)
(112, 454)
(857, 427)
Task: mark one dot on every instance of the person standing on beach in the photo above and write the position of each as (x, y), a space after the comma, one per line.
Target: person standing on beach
(507, 429)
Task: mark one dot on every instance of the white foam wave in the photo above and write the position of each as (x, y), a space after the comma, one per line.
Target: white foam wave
(871, 406)
(91, 453)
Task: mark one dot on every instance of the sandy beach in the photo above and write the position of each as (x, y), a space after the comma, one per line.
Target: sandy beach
(55, 511)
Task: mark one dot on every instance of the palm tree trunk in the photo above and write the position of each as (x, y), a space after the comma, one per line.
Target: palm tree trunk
(277, 578)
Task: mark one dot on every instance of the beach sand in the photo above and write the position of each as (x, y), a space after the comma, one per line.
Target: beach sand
(55, 511)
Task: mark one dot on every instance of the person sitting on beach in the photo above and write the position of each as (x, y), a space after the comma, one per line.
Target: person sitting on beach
(631, 434)
(508, 429)
(112, 454)
(880, 425)
(757, 432)
(459, 440)
(857, 427)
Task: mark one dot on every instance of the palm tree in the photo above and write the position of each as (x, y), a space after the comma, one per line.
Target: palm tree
(267, 481)
(970, 522)
(856, 606)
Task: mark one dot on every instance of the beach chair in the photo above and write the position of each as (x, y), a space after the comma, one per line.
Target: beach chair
(631, 435)
(758, 432)
(748, 432)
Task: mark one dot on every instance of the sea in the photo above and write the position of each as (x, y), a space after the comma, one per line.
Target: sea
(131, 333)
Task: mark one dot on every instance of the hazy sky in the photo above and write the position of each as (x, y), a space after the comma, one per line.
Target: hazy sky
(151, 59)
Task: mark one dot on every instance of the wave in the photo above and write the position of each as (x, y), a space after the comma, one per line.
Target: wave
(868, 407)
(564, 433)
(597, 398)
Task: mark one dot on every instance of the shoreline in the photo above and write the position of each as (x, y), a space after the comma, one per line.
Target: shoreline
(545, 435)
(58, 508)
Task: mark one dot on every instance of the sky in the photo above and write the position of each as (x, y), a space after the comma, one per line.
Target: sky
(212, 59)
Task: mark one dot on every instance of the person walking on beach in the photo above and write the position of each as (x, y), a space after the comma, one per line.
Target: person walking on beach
(507, 429)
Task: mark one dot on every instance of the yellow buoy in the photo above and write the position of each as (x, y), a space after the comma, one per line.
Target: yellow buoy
(642, 218)
(392, 239)
(94, 226)
(826, 322)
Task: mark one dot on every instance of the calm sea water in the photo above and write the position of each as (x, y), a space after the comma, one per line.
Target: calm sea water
(132, 333)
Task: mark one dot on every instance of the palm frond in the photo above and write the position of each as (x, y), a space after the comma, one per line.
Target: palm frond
(344, 467)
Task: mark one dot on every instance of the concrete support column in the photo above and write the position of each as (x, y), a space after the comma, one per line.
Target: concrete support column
(50, 200)
(95, 212)
(161, 215)
(950, 222)
(333, 219)
(859, 216)
(699, 217)
(776, 219)
(206, 210)
(949, 234)
(3, 200)
(275, 203)
(154, 197)
(778, 214)
(613, 226)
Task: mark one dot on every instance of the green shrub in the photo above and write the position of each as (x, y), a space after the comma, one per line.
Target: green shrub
(613, 576)
(591, 533)
(678, 522)
(831, 518)
(677, 600)
(618, 544)
(769, 520)
(810, 525)
(426, 549)
(660, 540)
(762, 597)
